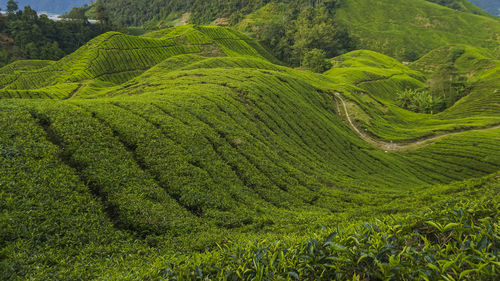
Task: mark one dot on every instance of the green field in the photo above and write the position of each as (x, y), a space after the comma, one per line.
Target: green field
(191, 154)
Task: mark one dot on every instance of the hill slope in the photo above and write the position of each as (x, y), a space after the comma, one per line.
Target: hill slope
(114, 58)
(396, 27)
(209, 142)
(402, 29)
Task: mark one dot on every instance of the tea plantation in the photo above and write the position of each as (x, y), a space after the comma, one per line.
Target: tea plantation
(192, 154)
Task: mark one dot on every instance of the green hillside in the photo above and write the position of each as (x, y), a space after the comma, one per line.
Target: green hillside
(190, 154)
(379, 79)
(144, 12)
(405, 30)
(401, 27)
(114, 58)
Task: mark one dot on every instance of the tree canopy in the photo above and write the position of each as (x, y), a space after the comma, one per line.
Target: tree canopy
(29, 36)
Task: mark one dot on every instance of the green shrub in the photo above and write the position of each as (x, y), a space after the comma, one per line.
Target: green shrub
(455, 242)
(316, 61)
(419, 101)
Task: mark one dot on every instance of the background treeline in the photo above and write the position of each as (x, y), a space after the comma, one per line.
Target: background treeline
(25, 35)
(138, 12)
(307, 26)
(306, 35)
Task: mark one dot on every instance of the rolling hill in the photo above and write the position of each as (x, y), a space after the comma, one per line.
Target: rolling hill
(190, 153)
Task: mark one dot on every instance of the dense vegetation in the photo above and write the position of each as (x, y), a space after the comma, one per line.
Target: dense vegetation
(415, 27)
(291, 31)
(25, 35)
(189, 153)
(348, 23)
(128, 12)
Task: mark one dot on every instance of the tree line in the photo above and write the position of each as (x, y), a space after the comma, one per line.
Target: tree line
(26, 35)
(306, 35)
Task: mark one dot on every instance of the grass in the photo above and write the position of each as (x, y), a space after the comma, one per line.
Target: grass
(203, 166)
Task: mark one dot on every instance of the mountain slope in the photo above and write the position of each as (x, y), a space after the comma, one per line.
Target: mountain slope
(209, 142)
(402, 29)
(397, 27)
(379, 79)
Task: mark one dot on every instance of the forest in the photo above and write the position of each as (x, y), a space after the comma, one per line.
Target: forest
(26, 35)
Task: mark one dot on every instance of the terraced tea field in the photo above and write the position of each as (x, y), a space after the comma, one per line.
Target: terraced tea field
(188, 153)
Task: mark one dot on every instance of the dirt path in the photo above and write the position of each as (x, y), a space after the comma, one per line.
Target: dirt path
(77, 91)
(390, 146)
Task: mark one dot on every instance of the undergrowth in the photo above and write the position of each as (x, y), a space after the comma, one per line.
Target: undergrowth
(448, 242)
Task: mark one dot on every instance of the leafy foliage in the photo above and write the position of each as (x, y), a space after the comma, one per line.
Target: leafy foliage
(297, 29)
(38, 37)
(419, 101)
(316, 61)
(457, 242)
(415, 27)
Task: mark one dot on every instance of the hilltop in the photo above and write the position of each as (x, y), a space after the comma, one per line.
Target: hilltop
(113, 58)
(188, 151)
(422, 25)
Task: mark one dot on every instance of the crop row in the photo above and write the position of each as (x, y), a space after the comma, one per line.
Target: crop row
(132, 198)
(216, 33)
(20, 66)
(175, 170)
(124, 42)
(49, 217)
(58, 91)
(276, 102)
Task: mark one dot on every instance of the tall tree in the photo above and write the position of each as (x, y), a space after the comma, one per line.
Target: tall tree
(102, 14)
(12, 6)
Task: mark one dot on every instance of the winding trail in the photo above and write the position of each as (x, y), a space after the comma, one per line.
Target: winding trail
(76, 91)
(390, 146)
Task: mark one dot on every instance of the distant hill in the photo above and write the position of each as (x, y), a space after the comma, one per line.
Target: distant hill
(138, 12)
(490, 6)
(51, 6)
(398, 28)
